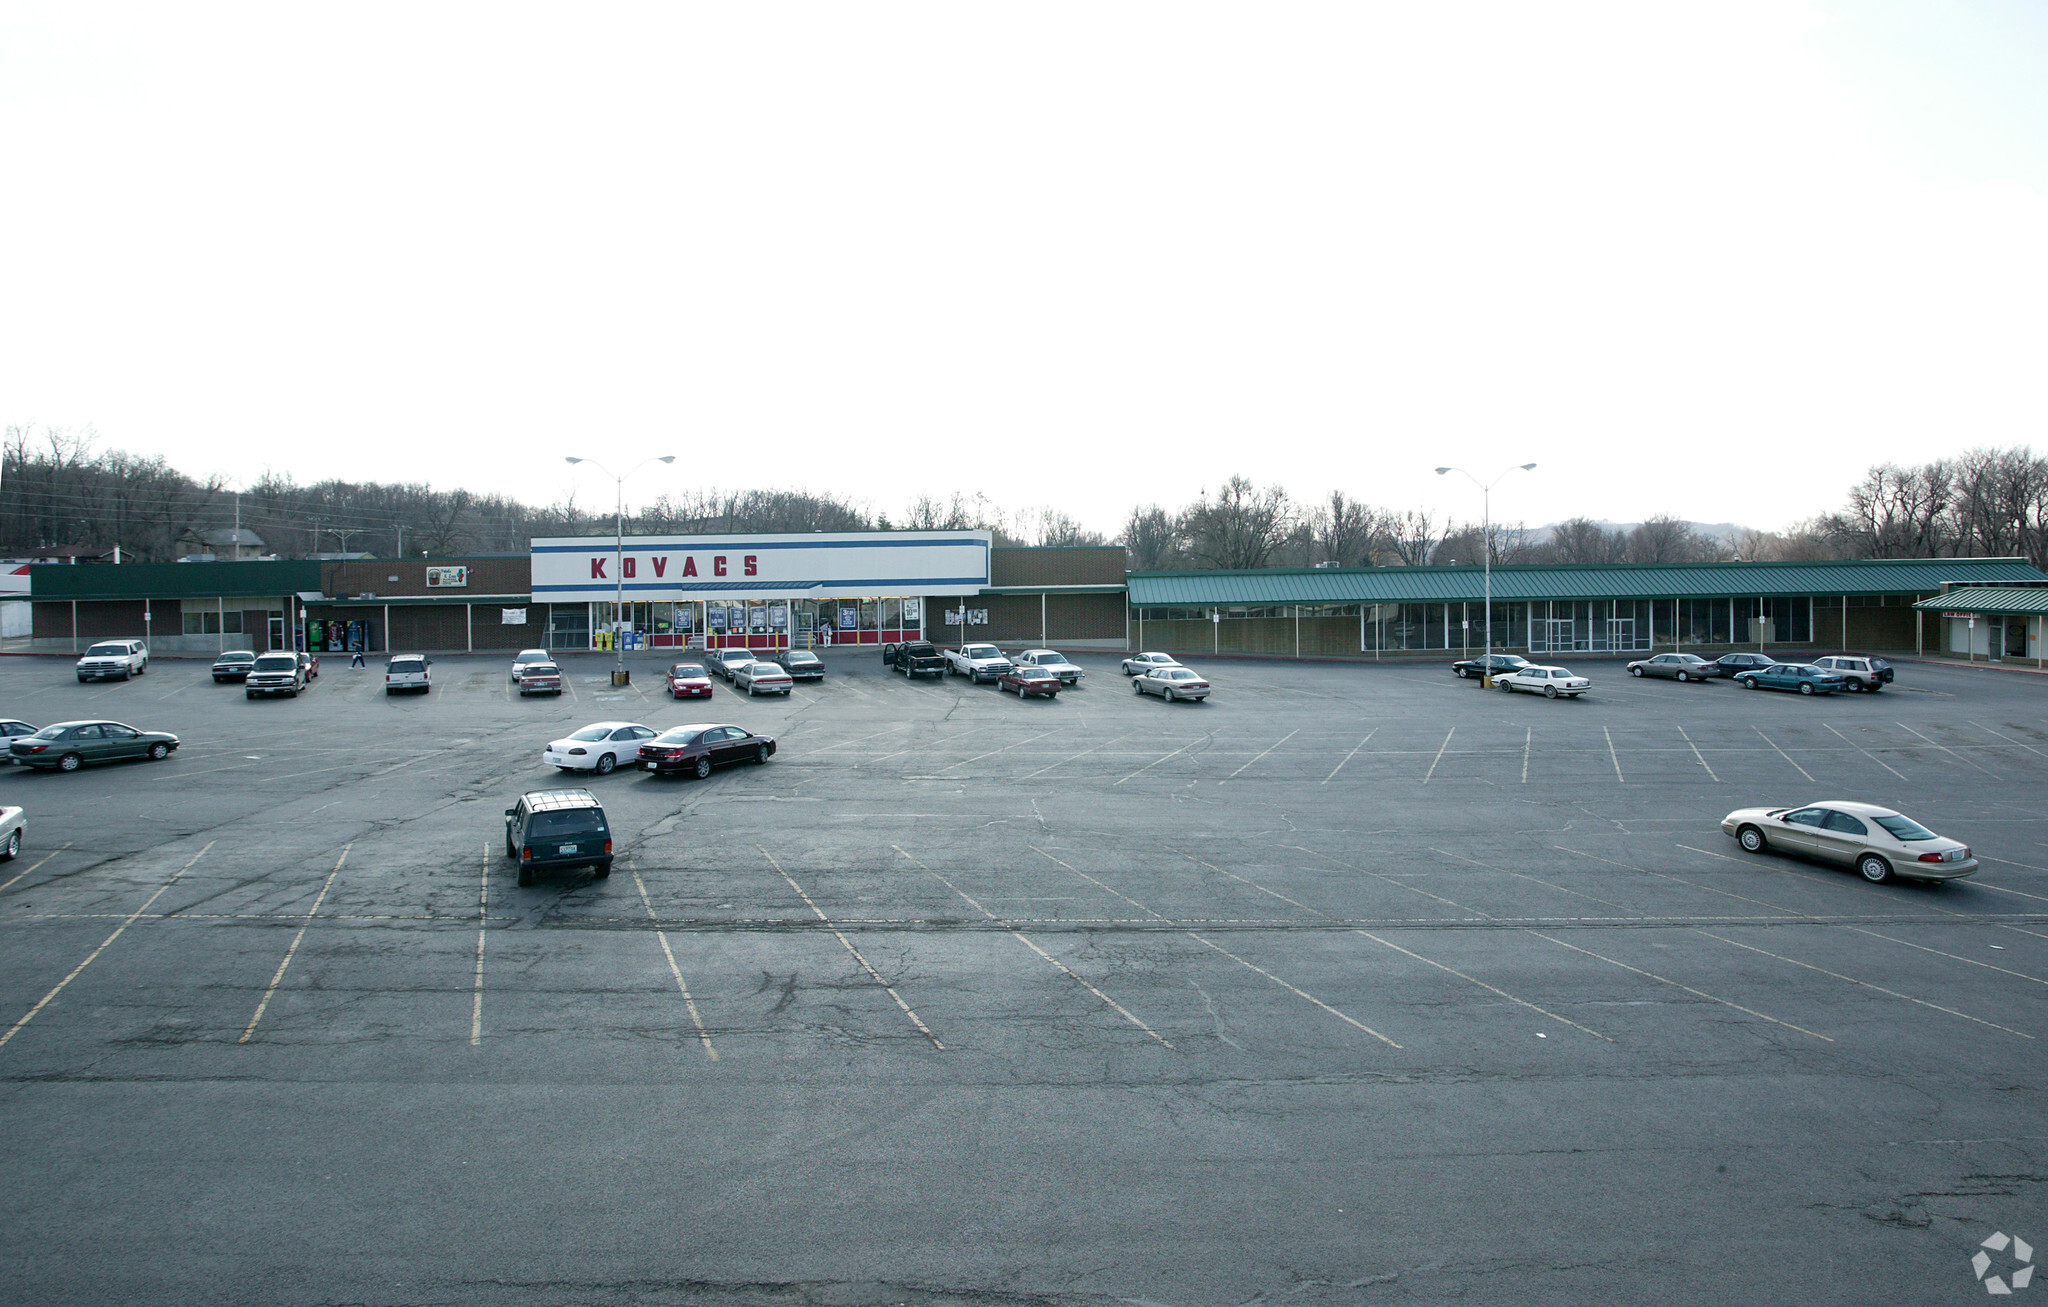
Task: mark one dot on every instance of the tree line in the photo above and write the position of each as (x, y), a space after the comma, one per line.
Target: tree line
(58, 488)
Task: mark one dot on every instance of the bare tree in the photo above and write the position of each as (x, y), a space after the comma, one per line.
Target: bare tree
(1412, 536)
(1152, 539)
(1582, 540)
(1240, 528)
(1344, 530)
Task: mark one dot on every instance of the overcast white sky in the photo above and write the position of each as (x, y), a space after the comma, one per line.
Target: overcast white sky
(1704, 260)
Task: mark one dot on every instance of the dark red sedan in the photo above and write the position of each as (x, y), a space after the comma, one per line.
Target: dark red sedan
(695, 750)
(689, 681)
(1026, 680)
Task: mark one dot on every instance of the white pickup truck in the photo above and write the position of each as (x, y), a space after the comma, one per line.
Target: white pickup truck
(982, 662)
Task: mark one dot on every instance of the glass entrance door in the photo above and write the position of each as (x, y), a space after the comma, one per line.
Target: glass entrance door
(1561, 634)
(1621, 634)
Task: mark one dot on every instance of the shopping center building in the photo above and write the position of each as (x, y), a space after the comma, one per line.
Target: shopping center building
(869, 588)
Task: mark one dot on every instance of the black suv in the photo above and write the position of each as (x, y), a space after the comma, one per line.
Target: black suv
(558, 828)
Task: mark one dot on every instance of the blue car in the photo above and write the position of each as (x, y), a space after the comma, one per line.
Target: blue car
(1803, 677)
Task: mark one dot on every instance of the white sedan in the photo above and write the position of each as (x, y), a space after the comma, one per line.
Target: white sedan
(525, 656)
(1171, 683)
(762, 677)
(1550, 682)
(1139, 664)
(1052, 660)
(598, 747)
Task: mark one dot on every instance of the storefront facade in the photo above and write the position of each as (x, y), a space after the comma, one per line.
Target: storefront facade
(752, 591)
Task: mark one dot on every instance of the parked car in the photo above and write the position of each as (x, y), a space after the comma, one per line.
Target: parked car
(1878, 842)
(408, 672)
(13, 829)
(1550, 682)
(695, 750)
(275, 673)
(1027, 680)
(10, 731)
(761, 677)
(1171, 683)
(548, 829)
(525, 656)
(727, 661)
(689, 681)
(801, 664)
(1675, 666)
(1053, 661)
(1138, 664)
(1488, 665)
(976, 662)
(539, 678)
(1803, 677)
(1861, 671)
(598, 747)
(233, 665)
(67, 746)
(914, 658)
(1730, 664)
(112, 660)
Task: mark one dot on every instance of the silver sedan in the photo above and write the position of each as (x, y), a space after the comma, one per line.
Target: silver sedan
(1171, 683)
(13, 825)
(1879, 843)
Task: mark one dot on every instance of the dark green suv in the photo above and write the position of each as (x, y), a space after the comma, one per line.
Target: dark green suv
(558, 828)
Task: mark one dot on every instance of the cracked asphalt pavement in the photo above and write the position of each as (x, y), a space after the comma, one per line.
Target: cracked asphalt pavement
(1354, 984)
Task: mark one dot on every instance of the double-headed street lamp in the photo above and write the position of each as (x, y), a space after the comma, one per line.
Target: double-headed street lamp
(1486, 553)
(619, 568)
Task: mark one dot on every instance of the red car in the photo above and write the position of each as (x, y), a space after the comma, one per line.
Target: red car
(1026, 679)
(689, 681)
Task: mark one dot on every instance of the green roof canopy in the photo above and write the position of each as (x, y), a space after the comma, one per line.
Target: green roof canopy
(1382, 585)
(2001, 600)
(266, 580)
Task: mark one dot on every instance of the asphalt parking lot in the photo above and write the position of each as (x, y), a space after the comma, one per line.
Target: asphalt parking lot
(1354, 984)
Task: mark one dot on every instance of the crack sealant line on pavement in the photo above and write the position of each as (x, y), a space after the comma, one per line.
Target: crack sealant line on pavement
(278, 979)
(43, 1002)
(483, 907)
(38, 863)
(1026, 941)
(1206, 943)
(866, 966)
(696, 1019)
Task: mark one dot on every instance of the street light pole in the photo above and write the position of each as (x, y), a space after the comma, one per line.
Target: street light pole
(619, 555)
(1486, 554)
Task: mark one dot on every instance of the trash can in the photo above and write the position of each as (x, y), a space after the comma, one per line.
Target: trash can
(622, 676)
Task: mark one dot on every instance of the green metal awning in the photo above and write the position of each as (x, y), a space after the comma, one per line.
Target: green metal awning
(1991, 600)
(1384, 585)
(250, 580)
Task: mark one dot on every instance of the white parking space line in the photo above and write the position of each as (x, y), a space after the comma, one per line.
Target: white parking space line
(483, 912)
(278, 979)
(1439, 754)
(1950, 752)
(1782, 754)
(1175, 754)
(993, 752)
(862, 739)
(1614, 757)
(1697, 755)
(703, 1035)
(1676, 985)
(1349, 756)
(1865, 752)
(866, 966)
(1864, 983)
(130, 920)
(1263, 752)
(1299, 993)
(1791, 871)
(39, 862)
(1071, 757)
(2009, 740)
(1021, 938)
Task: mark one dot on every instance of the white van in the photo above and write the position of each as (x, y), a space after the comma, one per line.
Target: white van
(407, 672)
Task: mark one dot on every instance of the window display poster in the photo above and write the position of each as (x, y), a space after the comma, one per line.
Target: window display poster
(913, 611)
(849, 619)
(757, 619)
(778, 618)
(511, 617)
(714, 617)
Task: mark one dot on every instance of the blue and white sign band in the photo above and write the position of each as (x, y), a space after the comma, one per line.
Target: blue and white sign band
(887, 563)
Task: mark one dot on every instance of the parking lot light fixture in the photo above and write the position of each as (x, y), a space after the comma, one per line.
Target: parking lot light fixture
(619, 565)
(1486, 554)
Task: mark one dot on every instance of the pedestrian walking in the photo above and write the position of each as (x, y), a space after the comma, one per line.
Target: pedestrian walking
(355, 658)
